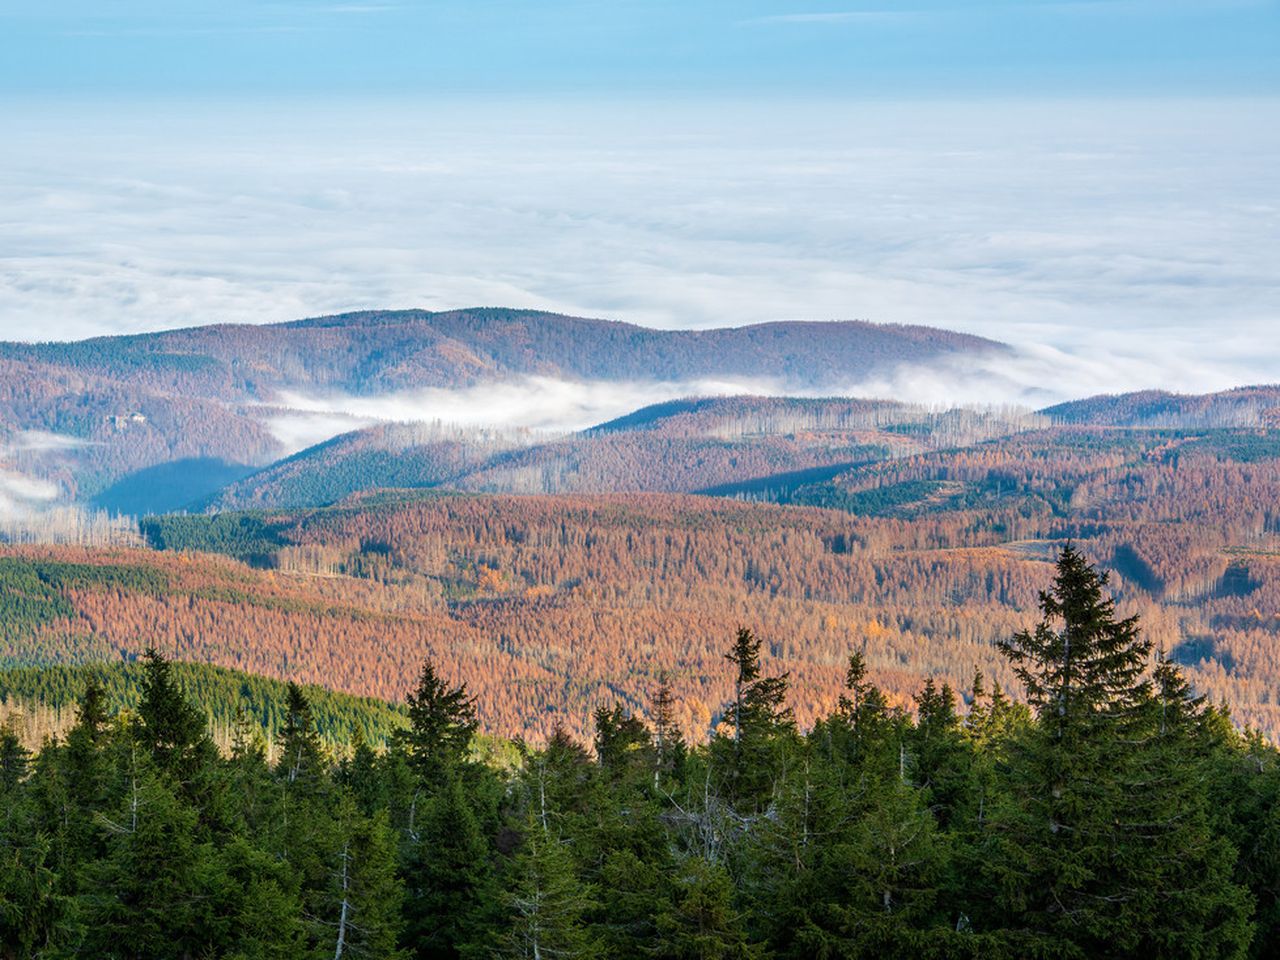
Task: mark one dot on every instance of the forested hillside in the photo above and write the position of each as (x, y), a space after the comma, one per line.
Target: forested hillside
(391, 350)
(1242, 407)
(38, 702)
(547, 605)
(715, 444)
(89, 414)
(1112, 813)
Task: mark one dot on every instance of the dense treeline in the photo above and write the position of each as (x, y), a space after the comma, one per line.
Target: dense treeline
(1113, 814)
(545, 607)
(680, 446)
(41, 701)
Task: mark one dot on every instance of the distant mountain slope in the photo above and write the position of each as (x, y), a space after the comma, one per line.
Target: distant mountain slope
(1242, 407)
(548, 605)
(211, 393)
(930, 560)
(719, 443)
(381, 351)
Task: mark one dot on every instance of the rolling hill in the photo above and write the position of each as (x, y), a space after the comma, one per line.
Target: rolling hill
(720, 444)
(196, 396)
(547, 605)
(386, 351)
(1257, 406)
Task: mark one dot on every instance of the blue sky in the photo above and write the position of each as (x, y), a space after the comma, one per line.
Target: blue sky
(1096, 181)
(640, 47)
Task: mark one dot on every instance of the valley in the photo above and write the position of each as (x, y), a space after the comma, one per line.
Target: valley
(553, 571)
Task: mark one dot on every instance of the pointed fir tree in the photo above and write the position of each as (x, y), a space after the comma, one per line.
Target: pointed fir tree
(622, 744)
(669, 748)
(750, 757)
(942, 760)
(442, 722)
(546, 902)
(863, 728)
(301, 755)
(172, 728)
(1073, 836)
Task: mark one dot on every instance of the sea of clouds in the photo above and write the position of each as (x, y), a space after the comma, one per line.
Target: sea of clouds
(1139, 238)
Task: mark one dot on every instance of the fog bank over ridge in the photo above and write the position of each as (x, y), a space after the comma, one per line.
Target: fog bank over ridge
(1138, 237)
(1028, 379)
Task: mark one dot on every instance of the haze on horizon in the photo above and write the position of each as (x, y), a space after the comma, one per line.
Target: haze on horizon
(1096, 182)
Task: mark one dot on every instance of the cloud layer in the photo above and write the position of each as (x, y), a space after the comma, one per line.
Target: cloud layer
(1139, 240)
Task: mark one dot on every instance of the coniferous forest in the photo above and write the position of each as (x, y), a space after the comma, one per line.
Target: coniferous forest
(1112, 814)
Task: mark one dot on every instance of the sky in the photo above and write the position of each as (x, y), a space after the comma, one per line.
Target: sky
(678, 48)
(1095, 181)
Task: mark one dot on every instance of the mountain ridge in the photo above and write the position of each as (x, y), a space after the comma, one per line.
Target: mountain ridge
(211, 393)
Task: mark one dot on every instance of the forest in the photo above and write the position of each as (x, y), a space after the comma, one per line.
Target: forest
(86, 416)
(707, 444)
(41, 702)
(548, 606)
(1107, 812)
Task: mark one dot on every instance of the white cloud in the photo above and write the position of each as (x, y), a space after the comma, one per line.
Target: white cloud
(21, 494)
(1031, 378)
(1142, 231)
(42, 441)
(542, 404)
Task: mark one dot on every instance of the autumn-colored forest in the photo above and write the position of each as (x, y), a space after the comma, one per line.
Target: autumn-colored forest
(546, 606)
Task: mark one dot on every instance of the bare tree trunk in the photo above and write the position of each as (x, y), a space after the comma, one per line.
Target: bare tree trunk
(346, 905)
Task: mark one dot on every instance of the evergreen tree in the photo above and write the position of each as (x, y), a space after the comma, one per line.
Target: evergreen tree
(762, 727)
(360, 911)
(546, 902)
(140, 901)
(83, 756)
(447, 877)
(940, 754)
(14, 759)
(1073, 836)
(701, 923)
(252, 910)
(623, 746)
(35, 915)
(669, 748)
(1185, 901)
(863, 729)
(1083, 669)
(172, 729)
(301, 755)
(442, 721)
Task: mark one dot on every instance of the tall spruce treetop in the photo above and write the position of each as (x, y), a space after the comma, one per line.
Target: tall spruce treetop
(172, 728)
(91, 713)
(301, 756)
(1101, 840)
(442, 721)
(14, 758)
(1080, 662)
(668, 743)
(759, 702)
(750, 758)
